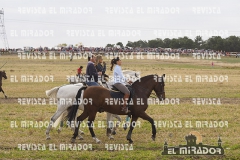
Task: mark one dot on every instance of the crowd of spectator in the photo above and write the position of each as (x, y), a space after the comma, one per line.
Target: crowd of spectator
(112, 49)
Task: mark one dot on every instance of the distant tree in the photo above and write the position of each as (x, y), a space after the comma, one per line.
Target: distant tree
(167, 43)
(120, 44)
(62, 45)
(141, 44)
(155, 43)
(78, 44)
(130, 44)
(232, 44)
(215, 43)
(110, 45)
(185, 42)
(175, 43)
(198, 41)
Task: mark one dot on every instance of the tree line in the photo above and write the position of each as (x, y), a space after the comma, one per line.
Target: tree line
(229, 44)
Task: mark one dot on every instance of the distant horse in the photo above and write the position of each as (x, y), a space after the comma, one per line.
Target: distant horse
(69, 92)
(2, 74)
(142, 89)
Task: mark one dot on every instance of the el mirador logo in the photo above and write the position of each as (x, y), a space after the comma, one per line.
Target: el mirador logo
(194, 146)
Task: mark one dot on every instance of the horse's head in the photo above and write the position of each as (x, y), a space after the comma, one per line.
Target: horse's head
(4, 75)
(159, 87)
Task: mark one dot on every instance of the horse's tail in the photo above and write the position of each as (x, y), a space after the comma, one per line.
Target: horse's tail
(74, 108)
(60, 119)
(52, 92)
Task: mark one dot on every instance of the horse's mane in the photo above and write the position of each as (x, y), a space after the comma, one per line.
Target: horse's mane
(144, 78)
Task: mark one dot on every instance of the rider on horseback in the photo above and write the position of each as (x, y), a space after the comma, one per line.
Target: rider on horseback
(91, 72)
(101, 67)
(119, 80)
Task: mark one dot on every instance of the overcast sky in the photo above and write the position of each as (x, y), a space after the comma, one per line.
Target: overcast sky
(96, 23)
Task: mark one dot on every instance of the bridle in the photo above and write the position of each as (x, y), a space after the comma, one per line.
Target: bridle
(161, 92)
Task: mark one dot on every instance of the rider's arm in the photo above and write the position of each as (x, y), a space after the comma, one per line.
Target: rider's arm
(104, 68)
(92, 70)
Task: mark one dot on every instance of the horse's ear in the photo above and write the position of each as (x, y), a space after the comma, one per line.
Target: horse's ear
(163, 76)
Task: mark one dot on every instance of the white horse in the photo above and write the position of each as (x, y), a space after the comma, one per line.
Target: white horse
(68, 92)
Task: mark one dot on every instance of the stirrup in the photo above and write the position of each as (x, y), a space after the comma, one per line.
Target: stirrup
(125, 109)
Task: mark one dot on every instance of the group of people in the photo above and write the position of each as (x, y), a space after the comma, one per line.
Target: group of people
(96, 68)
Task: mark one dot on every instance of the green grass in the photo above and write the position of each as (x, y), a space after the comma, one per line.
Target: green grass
(143, 147)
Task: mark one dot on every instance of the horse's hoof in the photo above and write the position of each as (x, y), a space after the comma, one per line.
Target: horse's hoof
(5, 97)
(80, 137)
(130, 141)
(111, 138)
(97, 141)
(73, 140)
(113, 132)
(82, 133)
(48, 138)
(153, 138)
(59, 131)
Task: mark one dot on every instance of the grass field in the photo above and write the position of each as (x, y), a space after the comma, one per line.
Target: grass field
(226, 91)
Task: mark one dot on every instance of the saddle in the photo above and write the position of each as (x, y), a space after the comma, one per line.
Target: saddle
(115, 93)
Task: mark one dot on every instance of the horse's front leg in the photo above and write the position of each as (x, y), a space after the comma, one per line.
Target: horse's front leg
(4, 94)
(144, 116)
(129, 135)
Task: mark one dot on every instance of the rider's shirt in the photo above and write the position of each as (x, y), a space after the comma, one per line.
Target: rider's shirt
(91, 72)
(118, 75)
(79, 70)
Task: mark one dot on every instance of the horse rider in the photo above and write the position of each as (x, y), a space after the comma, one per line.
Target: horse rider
(119, 80)
(100, 67)
(91, 72)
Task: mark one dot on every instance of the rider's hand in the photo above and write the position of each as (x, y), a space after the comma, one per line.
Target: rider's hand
(130, 82)
(99, 73)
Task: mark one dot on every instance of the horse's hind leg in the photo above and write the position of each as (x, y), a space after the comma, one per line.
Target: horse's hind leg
(144, 116)
(110, 126)
(91, 119)
(53, 119)
(83, 116)
(60, 126)
(125, 124)
(117, 124)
